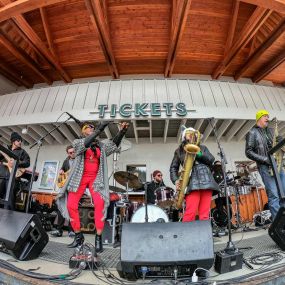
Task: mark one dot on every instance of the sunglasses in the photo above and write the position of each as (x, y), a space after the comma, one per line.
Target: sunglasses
(71, 152)
(159, 175)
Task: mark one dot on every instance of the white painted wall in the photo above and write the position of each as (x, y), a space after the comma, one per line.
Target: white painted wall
(156, 155)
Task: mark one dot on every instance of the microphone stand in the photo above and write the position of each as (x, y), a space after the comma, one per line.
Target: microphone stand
(39, 143)
(230, 245)
(145, 199)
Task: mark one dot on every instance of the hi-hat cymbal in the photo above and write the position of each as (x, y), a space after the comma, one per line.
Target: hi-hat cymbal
(124, 178)
(116, 189)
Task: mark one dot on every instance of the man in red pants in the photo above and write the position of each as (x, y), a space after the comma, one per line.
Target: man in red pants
(89, 170)
(201, 183)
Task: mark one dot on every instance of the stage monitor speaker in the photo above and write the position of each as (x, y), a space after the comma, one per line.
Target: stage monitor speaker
(21, 235)
(277, 229)
(86, 215)
(158, 249)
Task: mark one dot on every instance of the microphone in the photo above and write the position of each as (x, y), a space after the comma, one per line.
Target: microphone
(72, 117)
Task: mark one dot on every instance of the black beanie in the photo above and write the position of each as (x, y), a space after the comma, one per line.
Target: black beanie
(15, 137)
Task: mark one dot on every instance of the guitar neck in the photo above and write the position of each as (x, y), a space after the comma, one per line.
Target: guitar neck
(6, 156)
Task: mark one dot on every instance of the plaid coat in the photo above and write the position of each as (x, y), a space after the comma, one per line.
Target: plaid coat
(101, 184)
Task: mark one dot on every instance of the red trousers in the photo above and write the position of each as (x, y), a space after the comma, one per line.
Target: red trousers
(200, 201)
(73, 201)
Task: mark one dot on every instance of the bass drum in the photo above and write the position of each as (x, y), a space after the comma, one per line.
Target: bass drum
(155, 214)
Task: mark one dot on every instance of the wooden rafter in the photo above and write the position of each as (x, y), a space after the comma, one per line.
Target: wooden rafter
(37, 43)
(231, 32)
(13, 75)
(179, 20)
(47, 31)
(261, 49)
(276, 5)
(99, 22)
(22, 6)
(256, 20)
(269, 67)
(22, 57)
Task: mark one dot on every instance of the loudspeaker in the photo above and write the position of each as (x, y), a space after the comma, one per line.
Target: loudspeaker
(277, 229)
(21, 235)
(86, 216)
(164, 249)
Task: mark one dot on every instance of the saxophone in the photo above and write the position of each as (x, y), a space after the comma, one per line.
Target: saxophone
(191, 149)
(278, 155)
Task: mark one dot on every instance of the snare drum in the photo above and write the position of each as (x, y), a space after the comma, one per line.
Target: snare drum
(164, 196)
(155, 214)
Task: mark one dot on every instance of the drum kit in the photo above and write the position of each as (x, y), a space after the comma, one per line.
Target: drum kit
(134, 211)
(246, 198)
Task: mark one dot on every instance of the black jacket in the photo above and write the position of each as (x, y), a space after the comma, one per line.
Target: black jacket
(201, 177)
(24, 160)
(151, 187)
(65, 166)
(258, 143)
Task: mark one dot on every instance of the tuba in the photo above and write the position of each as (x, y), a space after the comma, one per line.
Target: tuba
(191, 149)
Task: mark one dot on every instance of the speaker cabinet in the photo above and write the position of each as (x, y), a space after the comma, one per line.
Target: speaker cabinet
(21, 235)
(86, 216)
(277, 228)
(158, 249)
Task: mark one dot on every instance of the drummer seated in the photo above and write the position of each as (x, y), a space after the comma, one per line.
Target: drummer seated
(153, 185)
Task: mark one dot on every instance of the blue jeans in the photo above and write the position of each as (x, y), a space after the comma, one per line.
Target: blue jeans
(271, 188)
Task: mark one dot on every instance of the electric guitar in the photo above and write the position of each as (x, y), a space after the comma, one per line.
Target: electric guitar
(62, 179)
(19, 172)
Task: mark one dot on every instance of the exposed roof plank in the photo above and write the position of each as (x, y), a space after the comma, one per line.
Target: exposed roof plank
(23, 58)
(256, 20)
(198, 124)
(223, 128)
(182, 123)
(42, 133)
(269, 67)
(261, 49)
(150, 131)
(178, 27)
(232, 28)
(98, 20)
(166, 125)
(244, 130)
(135, 131)
(209, 129)
(47, 31)
(41, 47)
(58, 137)
(237, 125)
(22, 6)
(276, 5)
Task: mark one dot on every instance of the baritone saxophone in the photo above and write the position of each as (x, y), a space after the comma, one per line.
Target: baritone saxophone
(191, 149)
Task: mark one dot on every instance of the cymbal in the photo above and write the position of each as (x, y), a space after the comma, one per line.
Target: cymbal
(116, 189)
(124, 177)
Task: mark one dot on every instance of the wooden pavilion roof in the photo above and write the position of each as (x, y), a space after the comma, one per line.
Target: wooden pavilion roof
(49, 40)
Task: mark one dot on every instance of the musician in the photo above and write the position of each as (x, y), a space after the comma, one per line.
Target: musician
(24, 162)
(153, 185)
(90, 170)
(259, 140)
(201, 183)
(59, 220)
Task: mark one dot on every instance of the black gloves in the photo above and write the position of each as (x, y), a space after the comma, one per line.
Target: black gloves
(102, 125)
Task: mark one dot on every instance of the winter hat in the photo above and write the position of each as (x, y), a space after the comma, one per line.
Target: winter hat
(261, 113)
(15, 137)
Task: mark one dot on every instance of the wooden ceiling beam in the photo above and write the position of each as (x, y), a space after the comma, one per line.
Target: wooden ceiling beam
(276, 5)
(41, 47)
(261, 49)
(22, 57)
(232, 28)
(269, 67)
(22, 6)
(47, 31)
(178, 21)
(256, 20)
(13, 75)
(100, 24)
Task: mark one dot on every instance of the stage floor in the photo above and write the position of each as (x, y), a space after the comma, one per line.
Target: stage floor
(54, 258)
